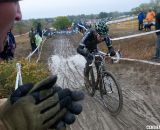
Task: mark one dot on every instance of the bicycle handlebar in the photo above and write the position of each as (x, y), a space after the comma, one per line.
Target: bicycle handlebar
(115, 58)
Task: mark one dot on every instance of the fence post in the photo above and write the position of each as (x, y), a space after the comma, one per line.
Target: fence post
(18, 77)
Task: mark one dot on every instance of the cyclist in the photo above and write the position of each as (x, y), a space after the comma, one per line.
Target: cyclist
(35, 107)
(89, 42)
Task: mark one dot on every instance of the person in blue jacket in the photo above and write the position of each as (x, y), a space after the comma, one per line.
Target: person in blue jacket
(141, 17)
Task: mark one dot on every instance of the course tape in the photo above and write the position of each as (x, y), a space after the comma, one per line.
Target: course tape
(21, 34)
(121, 20)
(135, 35)
(136, 60)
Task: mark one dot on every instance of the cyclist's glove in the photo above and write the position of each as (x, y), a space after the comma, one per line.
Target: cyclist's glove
(111, 51)
(38, 107)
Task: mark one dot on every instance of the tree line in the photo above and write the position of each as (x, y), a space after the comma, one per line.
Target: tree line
(62, 22)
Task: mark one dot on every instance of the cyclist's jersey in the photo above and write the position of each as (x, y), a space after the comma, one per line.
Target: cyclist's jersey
(90, 40)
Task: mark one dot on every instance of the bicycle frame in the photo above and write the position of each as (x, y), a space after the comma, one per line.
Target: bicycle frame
(99, 67)
(103, 83)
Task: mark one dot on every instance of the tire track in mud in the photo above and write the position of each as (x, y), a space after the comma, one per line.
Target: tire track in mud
(141, 99)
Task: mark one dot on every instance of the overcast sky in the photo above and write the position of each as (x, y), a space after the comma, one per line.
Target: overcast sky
(53, 8)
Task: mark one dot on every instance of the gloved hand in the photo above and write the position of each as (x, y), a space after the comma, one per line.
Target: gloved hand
(111, 51)
(73, 109)
(36, 108)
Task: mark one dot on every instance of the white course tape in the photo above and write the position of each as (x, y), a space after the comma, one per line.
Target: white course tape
(40, 50)
(21, 34)
(135, 35)
(83, 27)
(136, 60)
(121, 20)
(29, 56)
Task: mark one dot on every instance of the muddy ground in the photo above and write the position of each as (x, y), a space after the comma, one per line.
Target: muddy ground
(141, 95)
(139, 82)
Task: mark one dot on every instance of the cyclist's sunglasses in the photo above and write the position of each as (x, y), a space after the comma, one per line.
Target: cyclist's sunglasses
(9, 1)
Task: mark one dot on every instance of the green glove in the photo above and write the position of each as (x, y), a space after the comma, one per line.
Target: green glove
(35, 108)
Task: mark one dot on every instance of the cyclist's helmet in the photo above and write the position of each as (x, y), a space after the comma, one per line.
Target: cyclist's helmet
(101, 28)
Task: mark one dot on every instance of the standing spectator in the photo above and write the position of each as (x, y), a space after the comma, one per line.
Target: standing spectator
(157, 26)
(9, 47)
(32, 39)
(150, 16)
(39, 29)
(141, 17)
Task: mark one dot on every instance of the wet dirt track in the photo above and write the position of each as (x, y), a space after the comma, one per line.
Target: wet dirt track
(140, 87)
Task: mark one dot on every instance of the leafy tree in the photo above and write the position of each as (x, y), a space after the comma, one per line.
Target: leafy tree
(103, 15)
(61, 23)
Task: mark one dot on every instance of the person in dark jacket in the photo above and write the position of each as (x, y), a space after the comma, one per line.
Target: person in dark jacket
(9, 47)
(32, 39)
(39, 29)
(157, 26)
(90, 41)
(141, 17)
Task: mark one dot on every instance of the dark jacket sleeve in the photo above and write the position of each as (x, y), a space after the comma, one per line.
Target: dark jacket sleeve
(82, 47)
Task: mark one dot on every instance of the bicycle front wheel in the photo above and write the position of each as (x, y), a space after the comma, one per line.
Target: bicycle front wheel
(111, 93)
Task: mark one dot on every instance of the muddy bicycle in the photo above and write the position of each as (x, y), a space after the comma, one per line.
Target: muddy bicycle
(97, 77)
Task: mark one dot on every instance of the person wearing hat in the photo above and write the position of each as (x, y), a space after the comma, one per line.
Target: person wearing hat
(42, 106)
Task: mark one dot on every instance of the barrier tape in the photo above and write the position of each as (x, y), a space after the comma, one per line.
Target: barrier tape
(136, 60)
(121, 20)
(40, 51)
(135, 35)
(21, 34)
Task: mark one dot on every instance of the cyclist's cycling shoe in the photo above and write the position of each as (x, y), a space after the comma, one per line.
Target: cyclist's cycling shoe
(104, 92)
(97, 88)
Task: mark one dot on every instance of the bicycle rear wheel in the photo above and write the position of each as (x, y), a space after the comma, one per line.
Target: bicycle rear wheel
(111, 93)
(90, 82)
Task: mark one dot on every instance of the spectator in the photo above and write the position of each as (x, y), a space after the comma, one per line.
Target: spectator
(39, 29)
(157, 26)
(150, 16)
(141, 17)
(9, 47)
(32, 39)
(35, 107)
